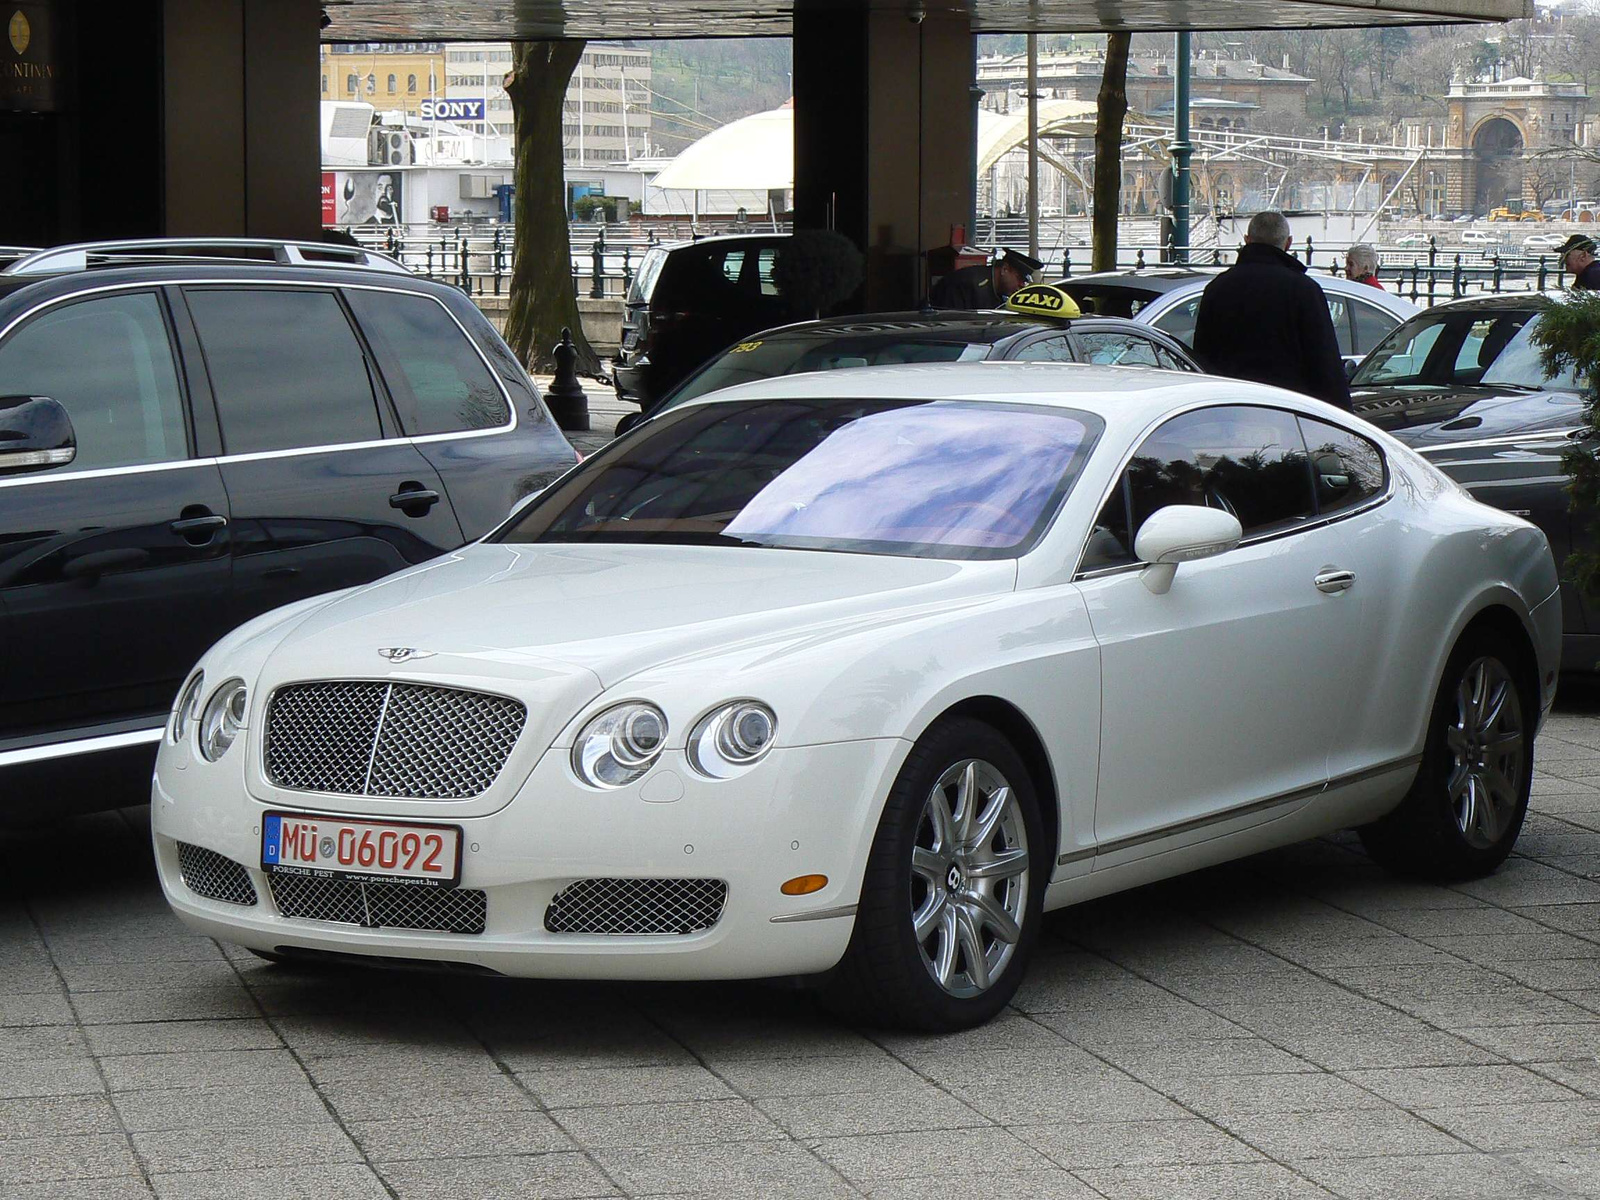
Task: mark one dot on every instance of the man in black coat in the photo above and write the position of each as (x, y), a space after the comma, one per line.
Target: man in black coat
(1577, 256)
(987, 286)
(1263, 319)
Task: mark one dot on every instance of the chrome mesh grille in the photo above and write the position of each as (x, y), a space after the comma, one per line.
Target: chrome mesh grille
(407, 740)
(380, 905)
(671, 906)
(209, 874)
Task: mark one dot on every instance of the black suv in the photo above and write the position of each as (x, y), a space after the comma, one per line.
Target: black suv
(690, 299)
(193, 433)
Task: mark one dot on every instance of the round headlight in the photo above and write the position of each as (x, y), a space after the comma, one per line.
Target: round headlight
(222, 719)
(187, 710)
(620, 745)
(730, 738)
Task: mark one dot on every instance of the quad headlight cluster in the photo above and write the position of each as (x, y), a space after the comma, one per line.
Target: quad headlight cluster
(218, 724)
(622, 743)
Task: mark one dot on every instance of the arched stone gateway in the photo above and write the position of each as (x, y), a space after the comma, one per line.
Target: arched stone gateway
(1497, 152)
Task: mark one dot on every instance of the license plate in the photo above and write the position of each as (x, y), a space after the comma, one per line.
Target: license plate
(352, 848)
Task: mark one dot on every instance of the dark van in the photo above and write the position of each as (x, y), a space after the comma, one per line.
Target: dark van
(688, 301)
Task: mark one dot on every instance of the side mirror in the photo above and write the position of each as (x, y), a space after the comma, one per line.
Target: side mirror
(35, 434)
(1182, 533)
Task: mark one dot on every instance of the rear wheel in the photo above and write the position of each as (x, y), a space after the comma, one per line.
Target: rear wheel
(1466, 808)
(951, 903)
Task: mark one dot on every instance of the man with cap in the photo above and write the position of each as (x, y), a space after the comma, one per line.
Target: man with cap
(984, 286)
(1577, 256)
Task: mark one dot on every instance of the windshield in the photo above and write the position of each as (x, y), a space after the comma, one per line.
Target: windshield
(1109, 300)
(932, 479)
(833, 348)
(1460, 348)
(1518, 366)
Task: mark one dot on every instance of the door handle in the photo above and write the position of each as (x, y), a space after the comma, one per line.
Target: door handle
(413, 499)
(1336, 581)
(197, 524)
(194, 524)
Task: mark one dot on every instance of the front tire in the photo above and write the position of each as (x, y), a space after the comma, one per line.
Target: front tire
(954, 888)
(1465, 809)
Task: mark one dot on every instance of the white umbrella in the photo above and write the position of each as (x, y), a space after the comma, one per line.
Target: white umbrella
(754, 153)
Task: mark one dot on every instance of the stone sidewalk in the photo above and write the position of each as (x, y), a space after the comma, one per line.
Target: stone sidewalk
(1297, 1024)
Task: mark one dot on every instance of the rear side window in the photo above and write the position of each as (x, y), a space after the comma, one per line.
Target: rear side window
(712, 278)
(1339, 312)
(1372, 325)
(108, 362)
(1346, 469)
(286, 369)
(1179, 320)
(439, 383)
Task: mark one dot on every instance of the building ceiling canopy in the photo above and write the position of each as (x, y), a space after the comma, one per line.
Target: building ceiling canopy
(502, 20)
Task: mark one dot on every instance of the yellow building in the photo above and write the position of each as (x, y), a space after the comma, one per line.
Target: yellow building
(399, 75)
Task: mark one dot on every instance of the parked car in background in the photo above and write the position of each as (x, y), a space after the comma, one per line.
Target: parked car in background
(192, 433)
(1410, 240)
(1543, 241)
(930, 336)
(687, 301)
(852, 675)
(1169, 297)
(1481, 237)
(1462, 384)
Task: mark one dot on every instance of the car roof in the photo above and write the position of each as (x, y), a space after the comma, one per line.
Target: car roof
(915, 321)
(244, 271)
(1119, 395)
(722, 239)
(1499, 302)
(1148, 279)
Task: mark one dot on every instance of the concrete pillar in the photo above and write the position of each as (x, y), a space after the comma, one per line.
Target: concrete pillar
(884, 155)
(241, 147)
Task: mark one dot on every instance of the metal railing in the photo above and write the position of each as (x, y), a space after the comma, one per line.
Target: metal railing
(604, 258)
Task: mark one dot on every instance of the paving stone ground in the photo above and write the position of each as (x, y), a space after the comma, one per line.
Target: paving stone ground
(1297, 1024)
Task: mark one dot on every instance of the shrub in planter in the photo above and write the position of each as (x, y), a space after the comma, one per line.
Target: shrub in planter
(815, 270)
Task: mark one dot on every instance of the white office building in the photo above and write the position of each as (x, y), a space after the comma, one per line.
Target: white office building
(606, 116)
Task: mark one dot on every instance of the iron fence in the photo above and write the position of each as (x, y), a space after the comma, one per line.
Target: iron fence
(604, 258)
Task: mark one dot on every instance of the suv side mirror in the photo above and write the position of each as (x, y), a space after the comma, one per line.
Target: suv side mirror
(1181, 533)
(35, 434)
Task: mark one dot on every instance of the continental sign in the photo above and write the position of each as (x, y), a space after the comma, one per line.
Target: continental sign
(1043, 300)
(29, 72)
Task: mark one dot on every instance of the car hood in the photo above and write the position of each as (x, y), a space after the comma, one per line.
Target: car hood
(1422, 415)
(603, 612)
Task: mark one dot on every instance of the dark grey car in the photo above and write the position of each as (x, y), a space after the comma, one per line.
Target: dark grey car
(1462, 384)
(188, 439)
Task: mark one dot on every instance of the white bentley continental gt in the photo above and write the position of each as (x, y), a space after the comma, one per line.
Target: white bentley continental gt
(854, 675)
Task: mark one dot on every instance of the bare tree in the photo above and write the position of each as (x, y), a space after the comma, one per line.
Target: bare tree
(543, 300)
(1113, 101)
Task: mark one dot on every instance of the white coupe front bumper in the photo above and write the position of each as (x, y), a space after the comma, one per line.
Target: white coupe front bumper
(808, 810)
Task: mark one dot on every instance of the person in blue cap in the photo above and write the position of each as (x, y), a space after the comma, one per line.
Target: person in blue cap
(984, 286)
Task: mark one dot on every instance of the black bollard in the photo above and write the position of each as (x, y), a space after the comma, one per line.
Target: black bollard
(565, 398)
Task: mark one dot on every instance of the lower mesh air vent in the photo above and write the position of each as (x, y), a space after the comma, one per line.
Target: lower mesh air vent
(209, 874)
(671, 906)
(380, 905)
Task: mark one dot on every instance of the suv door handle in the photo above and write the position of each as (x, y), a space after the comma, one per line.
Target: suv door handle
(1336, 581)
(413, 499)
(197, 524)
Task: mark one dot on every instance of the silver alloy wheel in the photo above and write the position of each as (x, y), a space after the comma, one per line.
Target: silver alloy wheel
(1488, 752)
(969, 878)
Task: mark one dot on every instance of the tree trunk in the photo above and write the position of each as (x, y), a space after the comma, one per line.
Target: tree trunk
(1113, 101)
(543, 300)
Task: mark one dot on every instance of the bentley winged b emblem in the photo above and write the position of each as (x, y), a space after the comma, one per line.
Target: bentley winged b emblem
(400, 654)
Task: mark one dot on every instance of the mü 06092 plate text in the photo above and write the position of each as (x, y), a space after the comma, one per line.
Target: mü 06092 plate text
(353, 848)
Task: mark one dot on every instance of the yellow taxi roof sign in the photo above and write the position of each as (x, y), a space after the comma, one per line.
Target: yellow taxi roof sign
(1043, 300)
